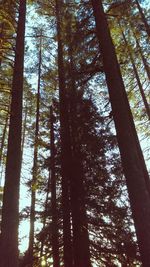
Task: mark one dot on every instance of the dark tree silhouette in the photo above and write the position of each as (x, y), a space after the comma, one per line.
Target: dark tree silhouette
(10, 212)
(132, 159)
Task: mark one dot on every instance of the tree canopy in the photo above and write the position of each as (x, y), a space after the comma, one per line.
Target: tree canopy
(74, 133)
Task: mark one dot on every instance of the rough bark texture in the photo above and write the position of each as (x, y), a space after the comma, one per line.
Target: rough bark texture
(65, 147)
(10, 212)
(132, 159)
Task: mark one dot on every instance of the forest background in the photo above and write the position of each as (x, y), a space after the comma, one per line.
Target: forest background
(72, 188)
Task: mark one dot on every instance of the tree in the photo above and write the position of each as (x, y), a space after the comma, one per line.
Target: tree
(147, 109)
(147, 27)
(132, 159)
(105, 189)
(70, 159)
(10, 213)
(35, 164)
(65, 145)
(55, 241)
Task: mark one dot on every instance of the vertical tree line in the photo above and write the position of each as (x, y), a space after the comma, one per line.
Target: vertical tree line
(10, 210)
(87, 157)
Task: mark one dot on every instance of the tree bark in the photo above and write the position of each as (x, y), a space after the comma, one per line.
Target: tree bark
(3, 141)
(35, 166)
(65, 146)
(132, 158)
(24, 129)
(1, 44)
(55, 242)
(81, 249)
(10, 210)
(142, 57)
(147, 108)
(146, 66)
(147, 27)
(45, 215)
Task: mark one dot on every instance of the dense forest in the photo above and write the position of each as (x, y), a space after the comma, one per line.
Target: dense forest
(74, 133)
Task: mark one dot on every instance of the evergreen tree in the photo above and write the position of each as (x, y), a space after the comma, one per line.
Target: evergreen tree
(137, 177)
(10, 213)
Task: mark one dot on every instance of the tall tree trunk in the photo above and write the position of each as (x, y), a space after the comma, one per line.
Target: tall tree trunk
(10, 210)
(55, 243)
(65, 146)
(1, 43)
(147, 27)
(145, 63)
(147, 108)
(132, 158)
(35, 166)
(24, 129)
(79, 221)
(45, 216)
(146, 66)
(3, 141)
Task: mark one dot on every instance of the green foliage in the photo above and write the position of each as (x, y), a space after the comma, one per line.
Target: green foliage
(111, 230)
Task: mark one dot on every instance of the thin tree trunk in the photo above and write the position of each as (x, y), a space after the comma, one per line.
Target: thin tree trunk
(44, 223)
(10, 211)
(35, 166)
(132, 158)
(147, 27)
(45, 215)
(1, 44)
(143, 57)
(65, 147)
(52, 185)
(146, 66)
(55, 242)
(24, 129)
(79, 221)
(3, 141)
(147, 108)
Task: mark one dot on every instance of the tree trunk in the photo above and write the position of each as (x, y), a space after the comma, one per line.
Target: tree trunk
(45, 216)
(1, 44)
(24, 129)
(10, 210)
(147, 108)
(35, 166)
(3, 142)
(146, 66)
(65, 147)
(147, 27)
(138, 83)
(79, 221)
(143, 57)
(132, 158)
(55, 242)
